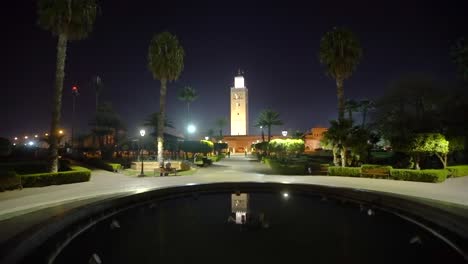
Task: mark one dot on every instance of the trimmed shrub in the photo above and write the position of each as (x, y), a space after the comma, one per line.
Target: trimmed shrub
(286, 168)
(458, 171)
(344, 171)
(372, 171)
(76, 174)
(184, 165)
(419, 175)
(9, 180)
(98, 163)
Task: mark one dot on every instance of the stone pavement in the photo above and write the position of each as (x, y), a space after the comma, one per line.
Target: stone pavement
(105, 184)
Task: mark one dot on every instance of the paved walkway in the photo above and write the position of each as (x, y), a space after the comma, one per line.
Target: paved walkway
(105, 184)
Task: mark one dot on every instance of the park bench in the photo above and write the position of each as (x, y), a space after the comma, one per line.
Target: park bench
(166, 170)
(376, 172)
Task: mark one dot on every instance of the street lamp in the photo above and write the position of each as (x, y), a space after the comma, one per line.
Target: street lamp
(142, 134)
(191, 128)
(207, 138)
(284, 133)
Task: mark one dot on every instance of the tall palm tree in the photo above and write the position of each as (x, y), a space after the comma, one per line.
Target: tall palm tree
(340, 52)
(364, 107)
(269, 118)
(221, 123)
(351, 106)
(153, 121)
(188, 95)
(68, 20)
(166, 62)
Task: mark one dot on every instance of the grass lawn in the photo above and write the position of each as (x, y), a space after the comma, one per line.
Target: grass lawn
(130, 172)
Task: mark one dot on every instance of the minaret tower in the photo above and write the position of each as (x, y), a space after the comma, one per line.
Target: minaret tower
(239, 107)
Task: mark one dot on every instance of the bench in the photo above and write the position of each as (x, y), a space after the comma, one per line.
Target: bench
(165, 171)
(378, 172)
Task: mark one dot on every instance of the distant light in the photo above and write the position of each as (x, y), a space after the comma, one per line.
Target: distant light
(239, 82)
(258, 140)
(46, 134)
(261, 126)
(35, 136)
(30, 143)
(142, 132)
(14, 144)
(191, 128)
(207, 138)
(284, 133)
(190, 184)
(285, 195)
(16, 138)
(285, 182)
(60, 132)
(25, 137)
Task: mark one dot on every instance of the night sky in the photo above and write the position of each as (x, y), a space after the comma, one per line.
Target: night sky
(275, 45)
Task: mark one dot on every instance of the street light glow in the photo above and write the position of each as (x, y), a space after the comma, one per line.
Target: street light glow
(207, 138)
(30, 143)
(142, 132)
(46, 134)
(284, 133)
(35, 136)
(191, 128)
(16, 138)
(60, 132)
(25, 137)
(285, 195)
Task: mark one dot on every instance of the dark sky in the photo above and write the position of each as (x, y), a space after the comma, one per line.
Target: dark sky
(276, 46)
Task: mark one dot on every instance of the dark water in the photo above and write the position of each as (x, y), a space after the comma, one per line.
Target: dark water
(300, 229)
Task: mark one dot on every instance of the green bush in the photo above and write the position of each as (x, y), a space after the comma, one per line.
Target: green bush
(344, 171)
(184, 165)
(371, 171)
(76, 174)
(98, 163)
(419, 175)
(286, 167)
(9, 180)
(458, 171)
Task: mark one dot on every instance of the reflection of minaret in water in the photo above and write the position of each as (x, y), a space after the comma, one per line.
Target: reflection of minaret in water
(240, 206)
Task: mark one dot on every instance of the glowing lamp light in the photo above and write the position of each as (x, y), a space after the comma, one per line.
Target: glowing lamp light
(239, 82)
(30, 143)
(35, 136)
(14, 144)
(206, 138)
(142, 132)
(74, 88)
(191, 129)
(284, 133)
(25, 137)
(285, 195)
(60, 132)
(16, 138)
(46, 134)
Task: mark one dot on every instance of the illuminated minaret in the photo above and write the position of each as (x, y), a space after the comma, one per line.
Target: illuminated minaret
(239, 107)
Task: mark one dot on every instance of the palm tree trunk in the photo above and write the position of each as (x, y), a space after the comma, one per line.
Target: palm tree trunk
(269, 133)
(263, 136)
(340, 96)
(343, 157)
(162, 113)
(364, 115)
(57, 103)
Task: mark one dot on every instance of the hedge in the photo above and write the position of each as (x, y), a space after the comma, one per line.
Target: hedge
(286, 168)
(76, 174)
(98, 163)
(344, 171)
(9, 180)
(458, 171)
(419, 175)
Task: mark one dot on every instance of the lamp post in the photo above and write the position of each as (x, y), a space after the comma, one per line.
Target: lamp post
(75, 93)
(142, 134)
(284, 133)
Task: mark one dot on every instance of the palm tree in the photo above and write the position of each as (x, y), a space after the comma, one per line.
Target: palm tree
(166, 62)
(268, 118)
(364, 107)
(351, 106)
(153, 120)
(188, 95)
(337, 137)
(340, 52)
(221, 123)
(68, 20)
